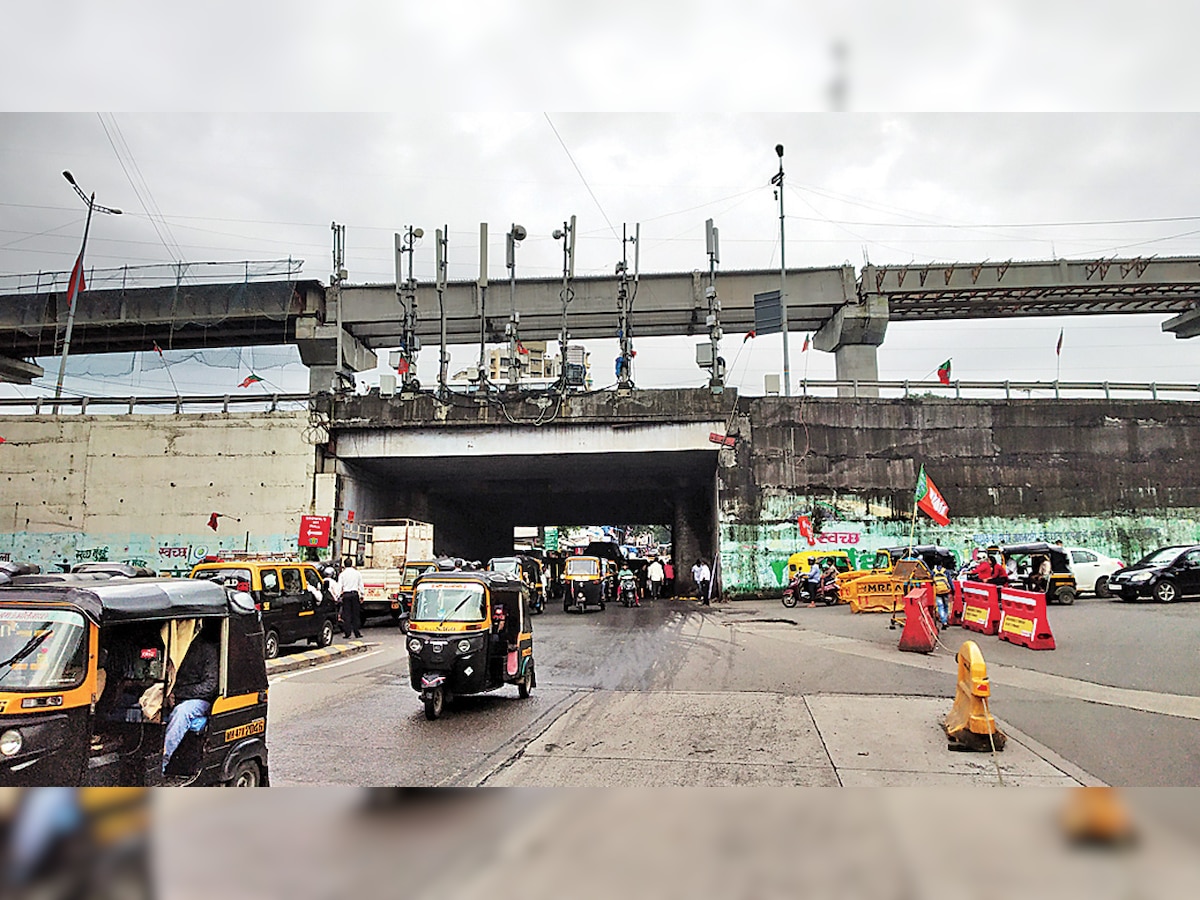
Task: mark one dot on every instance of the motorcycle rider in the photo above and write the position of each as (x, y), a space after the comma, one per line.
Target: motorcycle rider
(628, 582)
(812, 582)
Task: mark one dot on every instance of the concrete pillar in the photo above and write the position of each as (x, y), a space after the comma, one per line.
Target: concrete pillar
(318, 345)
(691, 534)
(852, 335)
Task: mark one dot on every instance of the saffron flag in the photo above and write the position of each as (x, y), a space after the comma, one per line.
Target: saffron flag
(930, 499)
(804, 349)
(749, 334)
(806, 530)
(944, 372)
(1058, 348)
(521, 348)
(249, 380)
(75, 286)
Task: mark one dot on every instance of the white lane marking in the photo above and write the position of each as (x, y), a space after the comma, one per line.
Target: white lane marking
(329, 665)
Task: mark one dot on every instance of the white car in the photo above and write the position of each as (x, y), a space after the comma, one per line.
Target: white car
(1092, 570)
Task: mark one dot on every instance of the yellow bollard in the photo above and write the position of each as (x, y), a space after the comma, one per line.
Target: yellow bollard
(970, 726)
(1096, 815)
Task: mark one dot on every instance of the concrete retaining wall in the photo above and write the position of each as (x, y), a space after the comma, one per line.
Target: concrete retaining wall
(135, 487)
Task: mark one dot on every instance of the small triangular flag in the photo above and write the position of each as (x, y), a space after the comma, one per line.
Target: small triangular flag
(944, 372)
(157, 349)
(804, 349)
(749, 334)
(212, 521)
(249, 380)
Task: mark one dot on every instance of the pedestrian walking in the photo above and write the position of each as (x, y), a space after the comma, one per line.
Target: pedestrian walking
(669, 577)
(655, 574)
(702, 576)
(351, 584)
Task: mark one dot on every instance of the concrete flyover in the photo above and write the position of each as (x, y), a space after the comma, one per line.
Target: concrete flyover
(338, 328)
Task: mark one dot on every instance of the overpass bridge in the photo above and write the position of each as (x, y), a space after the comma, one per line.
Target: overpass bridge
(338, 328)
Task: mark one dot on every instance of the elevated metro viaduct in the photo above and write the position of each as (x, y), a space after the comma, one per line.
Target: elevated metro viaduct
(1111, 475)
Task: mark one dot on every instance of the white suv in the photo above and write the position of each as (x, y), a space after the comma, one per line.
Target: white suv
(1092, 570)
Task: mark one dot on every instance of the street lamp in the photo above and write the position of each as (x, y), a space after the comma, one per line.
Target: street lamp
(77, 277)
(777, 180)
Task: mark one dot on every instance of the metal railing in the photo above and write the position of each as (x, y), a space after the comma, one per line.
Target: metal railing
(824, 389)
(129, 405)
(1005, 390)
(154, 275)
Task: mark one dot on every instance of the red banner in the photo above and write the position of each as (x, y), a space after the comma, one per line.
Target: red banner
(314, 531)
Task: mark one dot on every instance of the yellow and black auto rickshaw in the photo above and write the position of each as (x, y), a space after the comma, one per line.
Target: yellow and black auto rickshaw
(87, 671)
(468, 633)
(588, 581)
(1041, 567)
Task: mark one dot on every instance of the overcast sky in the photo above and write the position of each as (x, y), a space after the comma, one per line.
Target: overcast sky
(894, 187)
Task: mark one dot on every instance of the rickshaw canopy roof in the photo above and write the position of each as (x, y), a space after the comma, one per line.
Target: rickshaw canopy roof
(1032, 548)
(131, 600)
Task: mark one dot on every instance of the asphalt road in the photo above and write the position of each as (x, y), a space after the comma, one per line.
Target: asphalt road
(670, 688)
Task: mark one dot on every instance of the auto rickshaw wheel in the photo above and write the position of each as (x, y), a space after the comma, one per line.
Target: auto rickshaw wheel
(1066, 596)
(246, 774)
(435, 701)
(271, 644)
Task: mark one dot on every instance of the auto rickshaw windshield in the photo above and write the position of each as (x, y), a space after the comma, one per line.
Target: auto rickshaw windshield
(580, 565)
(882, 561)
(507, 566)
(42, 649)
(448, 602)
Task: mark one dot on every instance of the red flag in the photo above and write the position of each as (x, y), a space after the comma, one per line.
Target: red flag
(249, 380)
(944, 372)
(521, 348)
(749, 334)
(2, 441)
(930, 499)
(212, 521)
(804, 349)
(157, 349)
(1058, 349)
(806, 530)
(75, 286)
(402, 367)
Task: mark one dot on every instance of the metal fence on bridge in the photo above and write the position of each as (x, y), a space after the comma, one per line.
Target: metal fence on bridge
(823, 389)
(154, 275)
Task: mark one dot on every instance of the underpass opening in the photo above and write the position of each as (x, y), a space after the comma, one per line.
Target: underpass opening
(476, 501)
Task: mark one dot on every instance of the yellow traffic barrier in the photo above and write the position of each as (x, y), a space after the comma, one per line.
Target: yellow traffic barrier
(1096, 815)
(970, 726)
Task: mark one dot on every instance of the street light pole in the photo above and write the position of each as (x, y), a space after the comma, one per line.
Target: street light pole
(783, 314)
(73, 286)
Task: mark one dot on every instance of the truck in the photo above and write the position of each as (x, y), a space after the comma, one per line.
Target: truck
(393, 543)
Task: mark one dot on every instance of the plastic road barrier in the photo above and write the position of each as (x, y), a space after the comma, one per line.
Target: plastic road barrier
(981, 607)
(920, 630)
(970, 725)
(1023, 619)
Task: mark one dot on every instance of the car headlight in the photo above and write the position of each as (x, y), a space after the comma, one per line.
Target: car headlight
(415, 645)
(1141, 576)
(464, 646)
(10, 742)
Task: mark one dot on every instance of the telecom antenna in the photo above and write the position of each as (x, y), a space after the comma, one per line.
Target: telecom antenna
(341, 379)
(516, 349)
(442, 240)
(406, 292)
(708, 356)
(482, 283)
(626, 289)
(569, 375)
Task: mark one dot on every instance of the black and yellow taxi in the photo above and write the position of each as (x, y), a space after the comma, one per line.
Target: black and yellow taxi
(87, 672)
(290, 595)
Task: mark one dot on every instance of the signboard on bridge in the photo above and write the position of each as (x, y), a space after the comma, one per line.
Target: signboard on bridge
(768, 313)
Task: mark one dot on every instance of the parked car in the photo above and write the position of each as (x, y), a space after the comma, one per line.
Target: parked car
(1166, 575)
(1093, 570)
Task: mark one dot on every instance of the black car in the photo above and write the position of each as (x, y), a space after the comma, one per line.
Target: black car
(1166, 575)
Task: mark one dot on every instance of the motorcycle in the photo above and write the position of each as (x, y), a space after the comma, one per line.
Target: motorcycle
(628, 592)
(801, 591)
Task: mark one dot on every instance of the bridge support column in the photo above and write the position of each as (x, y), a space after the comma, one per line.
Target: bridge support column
(691, 536)
(318, 345)
(853, 334)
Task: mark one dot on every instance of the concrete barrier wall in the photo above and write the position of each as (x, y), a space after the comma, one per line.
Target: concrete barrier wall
(143, 487)
(1114, 476)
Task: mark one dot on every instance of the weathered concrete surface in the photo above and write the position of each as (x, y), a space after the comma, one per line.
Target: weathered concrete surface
(122, 487)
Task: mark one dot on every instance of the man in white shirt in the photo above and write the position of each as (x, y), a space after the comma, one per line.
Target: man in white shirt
(351, 585)
(655, 575)
(701, 575)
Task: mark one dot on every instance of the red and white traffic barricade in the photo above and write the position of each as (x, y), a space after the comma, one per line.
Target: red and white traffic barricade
(956, 602)
(920, 620)
(1023, 619)
(981, 607)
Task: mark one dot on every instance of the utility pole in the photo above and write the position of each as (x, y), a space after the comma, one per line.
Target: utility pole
(516, 234)
(783, 305)
(710, 357)
(76, 283)
(625, 308)
(566, 234)
(443, 239)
